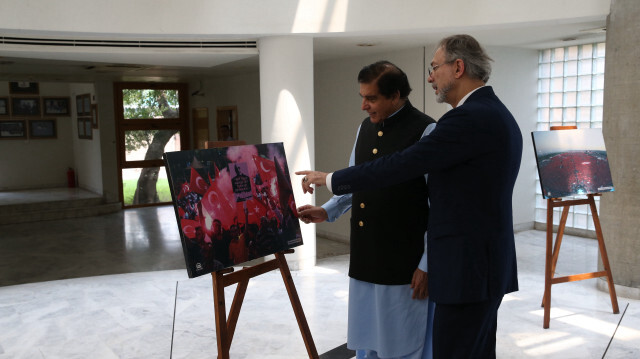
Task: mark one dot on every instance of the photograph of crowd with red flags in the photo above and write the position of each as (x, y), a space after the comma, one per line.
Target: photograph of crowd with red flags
(233, 204)
(572, 162)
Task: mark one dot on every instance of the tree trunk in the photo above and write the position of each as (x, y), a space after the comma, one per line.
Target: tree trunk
(146, 191)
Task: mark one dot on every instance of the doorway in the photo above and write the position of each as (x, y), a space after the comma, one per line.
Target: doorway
(151, 118)
(227, 123)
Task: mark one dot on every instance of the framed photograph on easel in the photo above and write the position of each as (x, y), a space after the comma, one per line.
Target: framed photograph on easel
(572, 162)
(233, 204)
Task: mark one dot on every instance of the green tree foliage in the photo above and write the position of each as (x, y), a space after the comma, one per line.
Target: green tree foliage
(149, 104)
(146, 104)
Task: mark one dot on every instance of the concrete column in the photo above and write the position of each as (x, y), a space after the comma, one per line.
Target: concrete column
(286, 106)
(620, 210)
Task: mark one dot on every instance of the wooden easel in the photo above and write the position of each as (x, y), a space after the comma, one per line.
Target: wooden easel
(226, 277)
(552, 255)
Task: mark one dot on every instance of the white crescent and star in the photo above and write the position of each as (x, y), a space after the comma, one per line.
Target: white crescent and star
(264, 169)
(203, 185)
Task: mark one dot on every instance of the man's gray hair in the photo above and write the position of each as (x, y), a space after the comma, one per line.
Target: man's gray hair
(465, 47)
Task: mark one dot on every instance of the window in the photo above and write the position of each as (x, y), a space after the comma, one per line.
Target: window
(151, 117)
(570, 93)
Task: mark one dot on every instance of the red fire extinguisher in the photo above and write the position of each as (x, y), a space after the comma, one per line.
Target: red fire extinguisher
(71, 178)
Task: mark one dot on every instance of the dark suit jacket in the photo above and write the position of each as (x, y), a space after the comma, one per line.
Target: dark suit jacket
(472, 158)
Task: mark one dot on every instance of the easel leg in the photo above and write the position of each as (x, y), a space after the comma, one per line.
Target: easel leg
(603, 254)
(221, 316)
(558, 243)
(546, 301)
(234, 312)
(297, 307)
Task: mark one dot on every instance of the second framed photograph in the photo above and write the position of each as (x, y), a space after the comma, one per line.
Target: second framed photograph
(56, 106)
(42, 129)
(25, 106)
(4, 106)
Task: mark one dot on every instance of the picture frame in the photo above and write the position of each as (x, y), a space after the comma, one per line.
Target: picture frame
(56, 106)
(4, 107)
(23, 88)
(42, 129)
(85, 131)
(246, 194)
(83, 105)
(13, 129)
(572, 162)
(25, 106)
(94, 115)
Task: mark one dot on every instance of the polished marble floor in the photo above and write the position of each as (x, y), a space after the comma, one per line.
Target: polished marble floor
(114, 286)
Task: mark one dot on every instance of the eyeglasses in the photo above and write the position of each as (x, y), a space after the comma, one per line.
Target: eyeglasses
(432, 69)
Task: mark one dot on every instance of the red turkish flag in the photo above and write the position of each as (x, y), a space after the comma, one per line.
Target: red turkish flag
(255, 209)
(269, 176)
(197, 183)
(216, 206)
(189, 227)
(266, 168)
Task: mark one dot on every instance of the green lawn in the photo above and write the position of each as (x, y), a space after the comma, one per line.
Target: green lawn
(129, 189)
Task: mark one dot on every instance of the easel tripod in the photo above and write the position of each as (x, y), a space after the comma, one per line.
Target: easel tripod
(225, 328)
(552, 256)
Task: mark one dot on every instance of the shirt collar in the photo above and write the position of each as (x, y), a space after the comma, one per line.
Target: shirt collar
(462, 100)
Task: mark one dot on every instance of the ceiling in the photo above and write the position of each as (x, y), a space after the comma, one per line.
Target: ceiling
(73, 64)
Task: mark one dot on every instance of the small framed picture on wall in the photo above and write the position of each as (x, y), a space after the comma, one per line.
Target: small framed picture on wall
(23, 88)
(56, 106)
(4, 106)
(42, 129)
(13, 129)
(85, 131)
(83, 104)
(25, 106)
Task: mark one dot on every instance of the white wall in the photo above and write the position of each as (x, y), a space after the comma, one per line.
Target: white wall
(242, 91)
(38, 163)
(515, 81)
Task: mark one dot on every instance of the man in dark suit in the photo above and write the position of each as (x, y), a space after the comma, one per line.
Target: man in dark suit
(472, 158)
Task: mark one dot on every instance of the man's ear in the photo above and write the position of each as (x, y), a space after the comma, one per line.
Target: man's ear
(459, 68)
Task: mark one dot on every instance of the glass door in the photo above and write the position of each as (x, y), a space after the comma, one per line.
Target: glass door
(152, 118)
